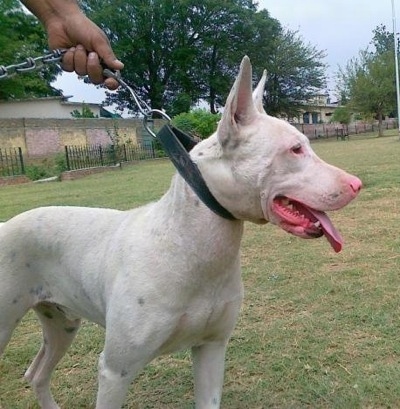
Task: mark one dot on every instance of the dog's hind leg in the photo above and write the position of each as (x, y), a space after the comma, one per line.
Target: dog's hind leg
(6, 330)
(12, 310)
(58, 334)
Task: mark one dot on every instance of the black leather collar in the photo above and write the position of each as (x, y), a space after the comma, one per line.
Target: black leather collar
(177, 144)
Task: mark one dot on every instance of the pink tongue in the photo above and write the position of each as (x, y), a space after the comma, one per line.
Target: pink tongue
(329, 230)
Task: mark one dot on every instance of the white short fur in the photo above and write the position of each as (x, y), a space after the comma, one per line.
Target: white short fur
(165, 276)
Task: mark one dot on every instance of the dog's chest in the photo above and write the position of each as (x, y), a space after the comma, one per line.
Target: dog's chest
(200, 324)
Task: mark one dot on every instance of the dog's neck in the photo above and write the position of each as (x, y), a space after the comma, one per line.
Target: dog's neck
(188, 220)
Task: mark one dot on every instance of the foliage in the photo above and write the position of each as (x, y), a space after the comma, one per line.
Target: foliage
(179, 52)
(22, 36)
(342, 114)
(47, 167)
(198, 122)
(367, 83)
(37, 172)
(295, 74)
(60, 162)
(382, 40)
(116, 136)
(370, 86)
(85, 113)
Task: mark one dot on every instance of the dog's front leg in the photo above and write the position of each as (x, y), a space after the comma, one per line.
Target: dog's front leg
(208, 368)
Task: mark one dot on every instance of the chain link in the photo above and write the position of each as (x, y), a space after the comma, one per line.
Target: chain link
(142, 106)
(31, 64)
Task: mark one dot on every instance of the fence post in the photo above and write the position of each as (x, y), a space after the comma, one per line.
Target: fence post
(101, 155)
(21, 160)
(7, 164)
(125, 155)
(113, 155)
(67, 158)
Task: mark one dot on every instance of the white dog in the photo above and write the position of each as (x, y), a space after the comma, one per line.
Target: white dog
(166, 276)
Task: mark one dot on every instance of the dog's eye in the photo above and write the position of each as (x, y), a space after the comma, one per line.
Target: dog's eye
(297, 149)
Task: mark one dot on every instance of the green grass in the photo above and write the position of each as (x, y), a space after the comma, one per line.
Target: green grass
(317, 329)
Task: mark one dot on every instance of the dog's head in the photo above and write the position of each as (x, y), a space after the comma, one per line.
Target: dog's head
(263, 169)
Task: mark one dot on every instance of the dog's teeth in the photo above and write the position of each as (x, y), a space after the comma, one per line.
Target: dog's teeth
(317, 224)
(285, 202)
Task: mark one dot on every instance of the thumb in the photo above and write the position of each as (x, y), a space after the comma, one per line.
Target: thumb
(108, 57)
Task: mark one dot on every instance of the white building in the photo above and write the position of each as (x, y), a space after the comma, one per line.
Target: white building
(57, 107)
(318, 110)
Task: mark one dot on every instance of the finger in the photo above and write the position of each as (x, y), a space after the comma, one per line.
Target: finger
(107, 55)
(67, 63)
(94, 69)
(80, 60)
(114, 64)
(111, 83)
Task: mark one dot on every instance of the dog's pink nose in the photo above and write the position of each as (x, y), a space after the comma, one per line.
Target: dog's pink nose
(355, 184)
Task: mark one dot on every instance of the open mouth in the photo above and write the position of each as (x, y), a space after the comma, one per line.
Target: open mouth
(303, 221)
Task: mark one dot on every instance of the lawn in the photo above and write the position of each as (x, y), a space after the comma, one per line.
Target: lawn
(317, 329)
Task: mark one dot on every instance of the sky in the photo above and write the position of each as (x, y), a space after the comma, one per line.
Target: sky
(339, 27)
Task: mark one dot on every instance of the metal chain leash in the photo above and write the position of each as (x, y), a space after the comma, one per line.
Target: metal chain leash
(31, 64)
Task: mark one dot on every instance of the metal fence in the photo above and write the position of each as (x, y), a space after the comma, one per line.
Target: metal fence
(314, 131)
(89, 156)
(11, 162)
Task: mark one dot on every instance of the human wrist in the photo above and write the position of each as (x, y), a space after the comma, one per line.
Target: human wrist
(52, 11)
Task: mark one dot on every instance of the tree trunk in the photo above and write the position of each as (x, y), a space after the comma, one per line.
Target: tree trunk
(380, 124)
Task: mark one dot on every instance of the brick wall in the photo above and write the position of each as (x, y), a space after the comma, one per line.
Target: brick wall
(13, 180)
(44, 137)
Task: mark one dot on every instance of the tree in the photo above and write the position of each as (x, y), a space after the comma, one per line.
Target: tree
(342, 115)
(85, 113)
(198, 122)
(22, 36)
(179, 52)
(295, 73)
(382, 40)
(170, 47)
(368, 82)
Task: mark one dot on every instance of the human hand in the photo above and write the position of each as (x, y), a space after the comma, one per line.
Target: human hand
(87, 47)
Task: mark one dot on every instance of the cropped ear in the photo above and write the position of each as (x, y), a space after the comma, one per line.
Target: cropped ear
(258, 93)
(239, 108)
